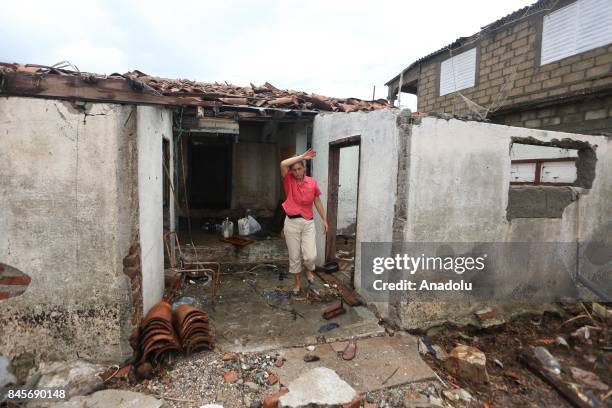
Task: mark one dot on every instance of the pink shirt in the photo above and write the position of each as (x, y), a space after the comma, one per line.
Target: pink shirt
(300, 195)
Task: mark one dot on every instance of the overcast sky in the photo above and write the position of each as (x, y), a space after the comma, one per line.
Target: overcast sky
(331, 47)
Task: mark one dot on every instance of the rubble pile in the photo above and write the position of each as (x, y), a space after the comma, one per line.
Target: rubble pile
(550, 360)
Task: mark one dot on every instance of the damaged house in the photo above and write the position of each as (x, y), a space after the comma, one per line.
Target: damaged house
(545, 66)
(97, 169)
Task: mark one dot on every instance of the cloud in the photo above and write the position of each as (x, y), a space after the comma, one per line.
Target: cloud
(336, 48)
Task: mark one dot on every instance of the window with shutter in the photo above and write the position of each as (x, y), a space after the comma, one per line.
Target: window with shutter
(458, 72)
(576, 28)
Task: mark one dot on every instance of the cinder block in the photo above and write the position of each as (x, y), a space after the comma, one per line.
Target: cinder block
(573, 77)
(598, 71)
(596, 114)
(581, 65)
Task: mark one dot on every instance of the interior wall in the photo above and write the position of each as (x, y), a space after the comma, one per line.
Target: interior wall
(153, 124)
(347, 190)
(67, 221)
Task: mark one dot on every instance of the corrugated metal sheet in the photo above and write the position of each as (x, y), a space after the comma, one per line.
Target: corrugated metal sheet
(576, 28)
(458, 72)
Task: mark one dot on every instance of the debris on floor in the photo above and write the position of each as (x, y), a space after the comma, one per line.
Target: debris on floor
(6, 376)
(112, 398)
(319, 387)
(551, 360)
(78, 377)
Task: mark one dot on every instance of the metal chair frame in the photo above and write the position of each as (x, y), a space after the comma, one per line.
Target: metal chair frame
(181, 266)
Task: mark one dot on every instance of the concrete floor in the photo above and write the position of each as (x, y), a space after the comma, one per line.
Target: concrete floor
(245, 319)
(209, 247)
(380, 362)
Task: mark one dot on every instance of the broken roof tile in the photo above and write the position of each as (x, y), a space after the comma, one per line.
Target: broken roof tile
(263, 96)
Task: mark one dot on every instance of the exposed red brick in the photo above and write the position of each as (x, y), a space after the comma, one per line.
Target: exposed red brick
(131, 260)
(134, 338)
(134, 248)
(135, 284)
(15, 280)
(132, 271)
(4, 295)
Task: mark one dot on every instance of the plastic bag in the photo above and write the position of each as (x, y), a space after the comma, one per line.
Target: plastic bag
(254, 226)
(243, 226)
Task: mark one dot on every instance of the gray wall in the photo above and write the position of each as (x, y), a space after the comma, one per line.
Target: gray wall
(458, 192)
(67, 220)
(347, 192)
(378, 172)
(153, 125)
(454, 187)
(77, 189)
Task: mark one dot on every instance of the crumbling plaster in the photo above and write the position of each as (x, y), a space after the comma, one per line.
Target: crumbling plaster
(454, 179)
(69, 212)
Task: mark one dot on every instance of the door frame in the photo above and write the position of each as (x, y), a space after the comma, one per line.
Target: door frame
(333, 179)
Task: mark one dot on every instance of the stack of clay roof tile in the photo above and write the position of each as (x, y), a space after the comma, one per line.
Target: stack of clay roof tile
(164, 331)
(193, 328)
(265, 96)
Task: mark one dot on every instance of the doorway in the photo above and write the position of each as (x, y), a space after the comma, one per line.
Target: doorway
(210, 175)
(342, 209)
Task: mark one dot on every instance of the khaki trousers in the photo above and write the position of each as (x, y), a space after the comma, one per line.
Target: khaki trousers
(300, 239)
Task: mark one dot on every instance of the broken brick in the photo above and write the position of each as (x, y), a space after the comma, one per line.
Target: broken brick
(271, 401)
(230, 357)
(230, 377)
(4, 295)
(468, 363)
(355, 403)
(272, 379)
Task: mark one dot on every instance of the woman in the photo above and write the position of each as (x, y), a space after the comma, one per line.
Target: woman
(301, 193)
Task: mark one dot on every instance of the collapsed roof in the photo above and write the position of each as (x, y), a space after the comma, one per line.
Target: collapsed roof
(166, 91)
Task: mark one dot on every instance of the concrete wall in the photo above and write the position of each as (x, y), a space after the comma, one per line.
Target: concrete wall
(153, 125)
(378, 172)
(347, 192)
(67, 219)
(255, 175)
(433, 180)
(458, 192)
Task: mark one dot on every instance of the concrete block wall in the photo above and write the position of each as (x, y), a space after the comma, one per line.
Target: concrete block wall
(509, 59)
(593, 115)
